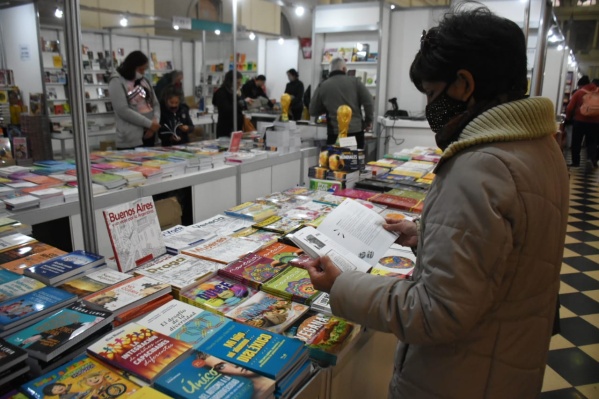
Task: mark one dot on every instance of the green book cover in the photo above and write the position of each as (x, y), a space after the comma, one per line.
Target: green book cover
(408, 194)
(294, 283)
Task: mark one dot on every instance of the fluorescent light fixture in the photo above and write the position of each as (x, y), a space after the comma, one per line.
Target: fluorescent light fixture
(124, 22)
(359, 46)
(299, 11)
(176, 27)
(252, 36)
(217, 32)
(393, 6)
(58, 12)
(560, 47)
(281, 41)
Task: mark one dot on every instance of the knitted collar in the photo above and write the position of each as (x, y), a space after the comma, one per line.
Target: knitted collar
(527, 119)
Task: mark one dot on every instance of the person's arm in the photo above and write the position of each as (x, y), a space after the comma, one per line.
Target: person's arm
(298, 95)
(463, 259)
(316, 106)
(120, 105)
(246, 90)
(155, 102)
(570, 110)
(186, 121)
(365, 100)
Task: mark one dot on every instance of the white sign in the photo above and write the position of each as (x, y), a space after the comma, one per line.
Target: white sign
(349, 142)
(182, 22)
(24, 52)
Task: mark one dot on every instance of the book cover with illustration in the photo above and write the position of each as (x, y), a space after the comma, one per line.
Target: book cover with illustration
(217, 294)
(326, 336)
(402, 203)
(252, 270)
(223, 249)
(257, 350)
(129, 294)
(292, 283)
(13, 285)
(279, 224)
(10, 355)
(397, 262)
(34, 304)
(262, 237)
(62, 267)
(94, 281)
(83, 377)
(135, 233)
(268, 312)
(178, 238)
(57, 333)
(148, 393)
(222, 225)
(180, 271)
(203, 376)
(139, 350)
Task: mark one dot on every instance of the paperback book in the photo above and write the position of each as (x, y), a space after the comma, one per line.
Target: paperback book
(222, 225)
(322, 304)
(61, 268)
(279, 224)
(217, 294)
(94, 282)
(14, 240)
(292, 283)
(252, 270)
(13, 285)
(179, 238)
(134, 232)
(180, 271)
(253, 211)
(223, 249)
(397, 262)
(139, 350)
(62, 330)
(10, 355)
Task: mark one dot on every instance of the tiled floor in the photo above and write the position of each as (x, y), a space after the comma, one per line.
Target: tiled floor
(573, 364)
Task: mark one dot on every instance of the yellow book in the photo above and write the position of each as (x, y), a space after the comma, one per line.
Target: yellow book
(148, 393)
(57, 61)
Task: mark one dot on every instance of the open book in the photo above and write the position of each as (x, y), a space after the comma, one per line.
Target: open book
(172, 131)
(352, 235)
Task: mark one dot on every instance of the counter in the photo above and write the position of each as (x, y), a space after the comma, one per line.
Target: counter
(395, 134)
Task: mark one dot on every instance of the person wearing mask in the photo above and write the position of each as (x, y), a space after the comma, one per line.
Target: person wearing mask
(255, 89)
(175, 121)
(136, 107)
(175, 79)
(295, 88)
(475, 319)
(340, 89)
(223, 101)
(583, 127)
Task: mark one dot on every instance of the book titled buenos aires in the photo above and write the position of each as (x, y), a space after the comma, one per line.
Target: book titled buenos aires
(61, 268)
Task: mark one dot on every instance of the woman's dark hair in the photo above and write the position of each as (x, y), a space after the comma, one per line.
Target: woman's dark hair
(293, 73)
(228, 81)
(47, 390)
(491, 48)
(169, 92)
(595, 82)
(583, 81)
(134, 60)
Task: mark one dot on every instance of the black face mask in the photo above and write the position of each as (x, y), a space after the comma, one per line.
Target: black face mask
(443, 109)
(174, 109)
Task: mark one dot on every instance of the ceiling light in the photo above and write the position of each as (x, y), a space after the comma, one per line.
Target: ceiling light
(58, 12)
(176, 27)
(359, 46)
(217, 32)
(299, 11)
(252, 35)
(124, 22)
(560, 47)
(393, 6)
(281, 41)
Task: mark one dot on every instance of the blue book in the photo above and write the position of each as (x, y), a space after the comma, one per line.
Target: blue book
(260, 351)
(204, 376)
(25, 308)
(57, 270)
(13, 285)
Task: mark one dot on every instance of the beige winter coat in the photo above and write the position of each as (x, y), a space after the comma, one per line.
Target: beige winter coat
(476, 320)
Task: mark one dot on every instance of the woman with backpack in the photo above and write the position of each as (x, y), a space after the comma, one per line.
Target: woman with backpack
(583, 111)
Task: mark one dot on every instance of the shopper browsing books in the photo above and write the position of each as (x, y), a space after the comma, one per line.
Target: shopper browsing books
(475, 320)
(223, 101)
(295, 88)
(136, 107)
(175, 122)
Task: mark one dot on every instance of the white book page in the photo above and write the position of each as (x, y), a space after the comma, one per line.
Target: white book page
(358, 230)
(316, 244)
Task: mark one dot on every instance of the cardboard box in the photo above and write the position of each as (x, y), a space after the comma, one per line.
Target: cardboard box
(108, 145)
(169, 212)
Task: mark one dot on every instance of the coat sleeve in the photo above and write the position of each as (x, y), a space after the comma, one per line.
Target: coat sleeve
(120, 105)
(571, 109)
(316, 106)
(366, 101)
(462, 259)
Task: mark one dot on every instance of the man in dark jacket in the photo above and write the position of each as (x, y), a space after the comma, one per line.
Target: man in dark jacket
(340, 89)
(254, 89)
(295, 88)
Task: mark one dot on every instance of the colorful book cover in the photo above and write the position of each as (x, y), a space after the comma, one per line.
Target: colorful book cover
(135, 233)
(222, 225)
(235, 141)
(64, 266)
(124, 295)
(397, 262)
(252, 211)
(24, 251)
(281, 254)
(223, 249)
(279, 224)
(43, 180)
(257, 350)
(94, 282)
(417, 195)
(13, 285)
(180, 271)
(252, 270)
(141, 310)
(325, 185)
(293, 283)
(393, 201)
(263, 237)
(302, 215)
(33, 304)
(139, 350)
(148, 393)
(268, 312)
(14, 240)
(217, 295)
(53, 335)
(203, 376)
(356, 193)
(83, 377)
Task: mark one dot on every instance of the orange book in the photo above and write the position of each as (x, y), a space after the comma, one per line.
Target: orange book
(19, 265)
(141, 310)
(30, 190)
(43, 180)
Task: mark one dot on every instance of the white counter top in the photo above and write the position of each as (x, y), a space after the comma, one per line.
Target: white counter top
(406, 123)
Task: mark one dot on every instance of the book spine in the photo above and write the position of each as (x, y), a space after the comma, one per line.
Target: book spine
(116, 254)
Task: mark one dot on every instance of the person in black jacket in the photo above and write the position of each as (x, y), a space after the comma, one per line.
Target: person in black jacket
(223, 101)
(295, 88)
(254, 89)
(175, 122)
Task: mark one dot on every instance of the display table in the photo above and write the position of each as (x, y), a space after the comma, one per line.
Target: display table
(408, 133)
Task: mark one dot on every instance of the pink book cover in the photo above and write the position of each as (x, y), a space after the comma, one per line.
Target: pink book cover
(235, 142)
(355, 193)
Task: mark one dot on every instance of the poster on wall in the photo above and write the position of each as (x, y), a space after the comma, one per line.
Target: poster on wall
(306, 45)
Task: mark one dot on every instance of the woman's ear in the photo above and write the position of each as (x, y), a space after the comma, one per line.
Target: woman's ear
(463, 86)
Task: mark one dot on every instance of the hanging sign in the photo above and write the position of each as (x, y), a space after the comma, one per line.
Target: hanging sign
(182, 22)
(24, 52)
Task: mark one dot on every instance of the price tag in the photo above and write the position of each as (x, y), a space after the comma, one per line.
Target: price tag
(349, 142)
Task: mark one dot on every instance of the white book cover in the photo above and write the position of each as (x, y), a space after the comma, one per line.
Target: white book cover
(179, 271)
(8, 170)
(397, 261)
(322, 303)
(222, 225)
(126, 293)
(48, 192)
(14, 240)
(94, 281)
(21, 185)
(224, 249)
(180, 237)
(65, 178)
(170, 317)
(23, 200)
(134, 233)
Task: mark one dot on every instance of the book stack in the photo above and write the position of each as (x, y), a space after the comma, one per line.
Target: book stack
(94, 281)
(109, 181)
(253, 211)
(168, 168)
(49, 197)
(19, 203)
(292, 283)
(26, 255)
(179, 238)
(152, 175)
(321, 304)
(218, 295)
(279, 224)
(223, 249)
(59, 269)
(13, 364)
(10, 226)
(133, 177)
(9, 170)
(13, 285)
(222, 225)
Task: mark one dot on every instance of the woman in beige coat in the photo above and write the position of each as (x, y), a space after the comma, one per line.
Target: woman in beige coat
(475, 321)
